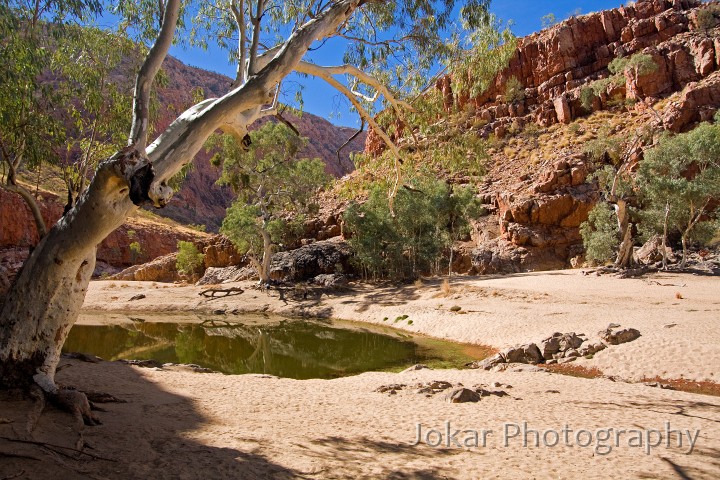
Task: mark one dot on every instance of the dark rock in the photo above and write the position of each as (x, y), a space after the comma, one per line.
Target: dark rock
(463, 395)
(309, 261)
(529, 353)
(415, 368)
(616, 336)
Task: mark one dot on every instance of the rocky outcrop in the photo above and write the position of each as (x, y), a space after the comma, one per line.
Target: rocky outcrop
(539, 207)
(558, 348)
(18, 234)
(161, 269)
(309, 261)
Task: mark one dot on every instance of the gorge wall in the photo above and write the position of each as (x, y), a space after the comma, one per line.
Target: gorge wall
(537, 206)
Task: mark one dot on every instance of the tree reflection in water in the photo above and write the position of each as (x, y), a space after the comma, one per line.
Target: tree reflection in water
(295, 349)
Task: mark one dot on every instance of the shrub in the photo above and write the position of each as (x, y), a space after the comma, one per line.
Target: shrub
(708, 16)
(189, 259)
(587, 98)
(600, 234)
(547, 21)
(514, 90)
(428, 216)
(136, 251)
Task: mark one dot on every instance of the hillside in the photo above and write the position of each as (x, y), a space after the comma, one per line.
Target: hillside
(535, 188)
(200, 201)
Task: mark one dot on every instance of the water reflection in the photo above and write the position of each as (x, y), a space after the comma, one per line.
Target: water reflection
(295, 349)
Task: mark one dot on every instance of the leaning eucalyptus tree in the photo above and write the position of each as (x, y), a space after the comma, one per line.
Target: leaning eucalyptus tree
(273, 37)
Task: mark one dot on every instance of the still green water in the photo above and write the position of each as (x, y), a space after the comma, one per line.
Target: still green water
(287, 348)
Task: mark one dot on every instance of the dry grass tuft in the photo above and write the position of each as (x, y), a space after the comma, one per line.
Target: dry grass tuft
(574, 370)
(445, 287)
(690, 386)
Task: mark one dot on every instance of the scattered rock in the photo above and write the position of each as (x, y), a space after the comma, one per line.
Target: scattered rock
(415, 368)
(529, 353)
(566, 360)
(664, 386)
(390, 388)
(331, 280)
(139, 296)
(463, 395)
(439, 385)
(616, 336)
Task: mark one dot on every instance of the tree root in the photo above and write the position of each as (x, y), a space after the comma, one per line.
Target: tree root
(56, 448)
(210, 293)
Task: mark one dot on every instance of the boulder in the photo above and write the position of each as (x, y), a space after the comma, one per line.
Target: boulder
(220, 252)
(488, 363)
(463, 395)
(161, 269)
(651, 251)
(217, 275)
(529, 353)
(331, 280)
(309, 261)
(617, 335)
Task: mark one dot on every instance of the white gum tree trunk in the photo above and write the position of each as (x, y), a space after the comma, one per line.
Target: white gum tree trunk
(45, 300)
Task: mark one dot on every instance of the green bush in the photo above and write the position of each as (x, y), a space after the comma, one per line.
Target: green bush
(428, 217)
(587, 97)
(514, 90)
(136, 251)
(708, 17)
(189, 259)
(600, 234)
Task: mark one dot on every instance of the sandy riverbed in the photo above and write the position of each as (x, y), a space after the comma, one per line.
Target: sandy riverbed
(181, 424)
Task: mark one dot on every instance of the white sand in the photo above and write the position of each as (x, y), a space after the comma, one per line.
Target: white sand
(501, 312)
(181, 424)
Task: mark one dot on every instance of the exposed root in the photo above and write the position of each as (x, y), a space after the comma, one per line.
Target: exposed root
(38, 398)
(77, 404)
(210, 293)
(60, 449)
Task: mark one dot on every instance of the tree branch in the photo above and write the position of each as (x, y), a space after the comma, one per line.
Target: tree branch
(32, 204)
(186, 135)
(239, 14)
(148, 71)
(252, 67)
(353, 137)
(325, 74)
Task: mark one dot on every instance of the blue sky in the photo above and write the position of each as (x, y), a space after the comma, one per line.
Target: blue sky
(322, 100)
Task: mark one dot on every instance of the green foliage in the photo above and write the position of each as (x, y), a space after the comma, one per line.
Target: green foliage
(491, 49)
(514, 90)
(587, 98)
(59, 101)
(682, 173)
(639, 63)
(136, 251)
(189, 259)
(427, 219)
(607, 175)
(606, 147)
(547, 21)
(242, 225)
(708, 17)
(600, 234)
(272, 186)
